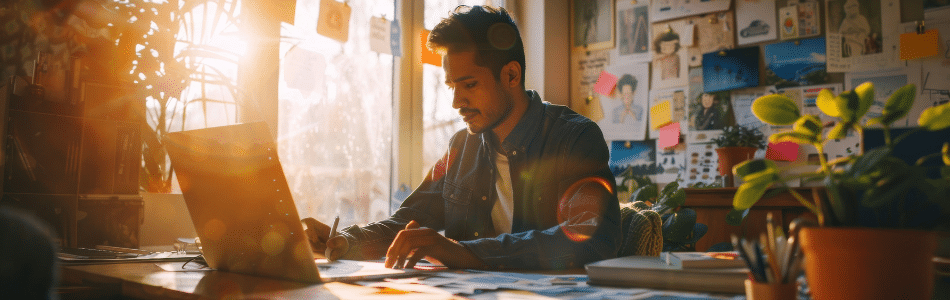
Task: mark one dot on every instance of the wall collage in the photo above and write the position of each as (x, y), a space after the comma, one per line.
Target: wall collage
(662, 78)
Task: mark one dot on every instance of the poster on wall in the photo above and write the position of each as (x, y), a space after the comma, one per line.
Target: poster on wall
(633, 31)
(755, 21)
(742, 107)
(670, 164)
(637, 156)
(662, 10)
(731, 69)
(808, 16)
(862, 35)
(625, 110)
(586, 68)
(669, 56)
(701, 164)
(885, 83)
(796, 63)
(714, 32)
(593, 24)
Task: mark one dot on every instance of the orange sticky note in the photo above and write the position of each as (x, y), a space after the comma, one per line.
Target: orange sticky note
(784, 151)
(334, 20)
(605, 83)
(429, 57)
(660, 114)
(914, 45)
(669, 136)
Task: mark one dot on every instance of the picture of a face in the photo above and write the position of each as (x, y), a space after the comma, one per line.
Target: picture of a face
(669, 47)
(708, 100)
(626, 94)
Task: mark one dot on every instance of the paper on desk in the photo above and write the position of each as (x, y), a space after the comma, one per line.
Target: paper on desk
(188, 267)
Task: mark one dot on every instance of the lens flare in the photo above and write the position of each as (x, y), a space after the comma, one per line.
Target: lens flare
(580, 209)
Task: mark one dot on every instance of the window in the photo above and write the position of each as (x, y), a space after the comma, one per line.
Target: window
(335, 116)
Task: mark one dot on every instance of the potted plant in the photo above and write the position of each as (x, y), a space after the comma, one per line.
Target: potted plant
(735, 145)
(876, 214)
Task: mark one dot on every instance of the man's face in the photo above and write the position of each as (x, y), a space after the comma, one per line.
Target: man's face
(708, 100)
(482, 101)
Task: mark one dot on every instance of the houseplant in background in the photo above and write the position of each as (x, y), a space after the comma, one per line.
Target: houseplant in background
(877, 214)
(735, 145)
(652, 220)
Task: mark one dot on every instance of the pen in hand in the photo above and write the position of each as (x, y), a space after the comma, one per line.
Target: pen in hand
(329, 250)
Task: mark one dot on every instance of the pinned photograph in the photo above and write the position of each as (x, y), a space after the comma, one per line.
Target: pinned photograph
(669, 57)
(637, 156)
(862, 35)
(626, 107)
(755, 21)
(593, 27)
(633, 30)
(796, 63)
(731, 69)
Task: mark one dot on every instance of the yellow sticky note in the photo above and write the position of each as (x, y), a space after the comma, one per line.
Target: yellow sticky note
(660, 114)
(914, 45)
(334, 20)
(429, 57)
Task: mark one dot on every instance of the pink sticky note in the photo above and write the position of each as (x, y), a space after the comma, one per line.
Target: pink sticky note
(669, 136)
(784, 151)
(605, 83)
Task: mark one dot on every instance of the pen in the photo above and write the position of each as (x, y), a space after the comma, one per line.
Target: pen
(332, 235)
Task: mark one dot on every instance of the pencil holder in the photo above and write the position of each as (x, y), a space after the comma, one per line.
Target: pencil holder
(769, 291)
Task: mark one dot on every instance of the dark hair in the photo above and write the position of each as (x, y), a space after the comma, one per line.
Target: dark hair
(667, 36)
(627, 79)
(489, 31)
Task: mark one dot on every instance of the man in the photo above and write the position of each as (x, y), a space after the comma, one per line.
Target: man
(526, 186)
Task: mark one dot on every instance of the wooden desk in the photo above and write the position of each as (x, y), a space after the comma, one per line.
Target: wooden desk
(712, 206)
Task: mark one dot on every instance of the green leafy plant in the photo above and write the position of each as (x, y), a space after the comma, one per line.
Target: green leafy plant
(653, 221)
(740, 136)
(874, 189)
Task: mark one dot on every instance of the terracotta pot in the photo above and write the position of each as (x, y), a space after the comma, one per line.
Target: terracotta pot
(868, 263)
(731, 156)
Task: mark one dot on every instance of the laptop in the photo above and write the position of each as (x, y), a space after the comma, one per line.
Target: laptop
(243, 211)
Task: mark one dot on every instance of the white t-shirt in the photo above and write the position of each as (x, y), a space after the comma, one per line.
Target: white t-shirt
(503, 210)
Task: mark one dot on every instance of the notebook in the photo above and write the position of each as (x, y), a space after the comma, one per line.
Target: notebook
(243, 211)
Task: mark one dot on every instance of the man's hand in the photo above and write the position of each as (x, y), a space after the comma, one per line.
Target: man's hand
(415, 243)
(319, 236)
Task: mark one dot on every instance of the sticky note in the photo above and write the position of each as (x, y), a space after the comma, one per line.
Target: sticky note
(605, 83)
(429, 57)
(334, 20)
(395, 38)
(379, 35)
(669, 136)
(784, 151)
(914, 45)
(660, 114)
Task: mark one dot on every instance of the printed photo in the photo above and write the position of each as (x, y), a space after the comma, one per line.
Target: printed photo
(858, 23)
(638, 156)
(626, 107)
(796, 63)
(710, 111)
(633, 30)
(593, 24)
(731, 69)
(669, 55)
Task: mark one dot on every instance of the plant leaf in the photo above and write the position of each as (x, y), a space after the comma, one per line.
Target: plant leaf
(749, 193)
(840, 130)
(865, 95)
(899, 103)
(792, 136)
(644, 193)
(867, 162)
(936, 117)
(808, 125)
(736, 216)
(945, 153)
(775, 109)
(827, 103)
(753, 166)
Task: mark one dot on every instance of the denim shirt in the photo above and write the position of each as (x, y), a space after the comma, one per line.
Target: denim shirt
(566, 212)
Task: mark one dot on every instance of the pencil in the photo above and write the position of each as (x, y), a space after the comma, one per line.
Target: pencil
(329, 250)
(745, 256)
(773, 262)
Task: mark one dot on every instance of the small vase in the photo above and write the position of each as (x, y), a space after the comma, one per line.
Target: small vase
(868, 263)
